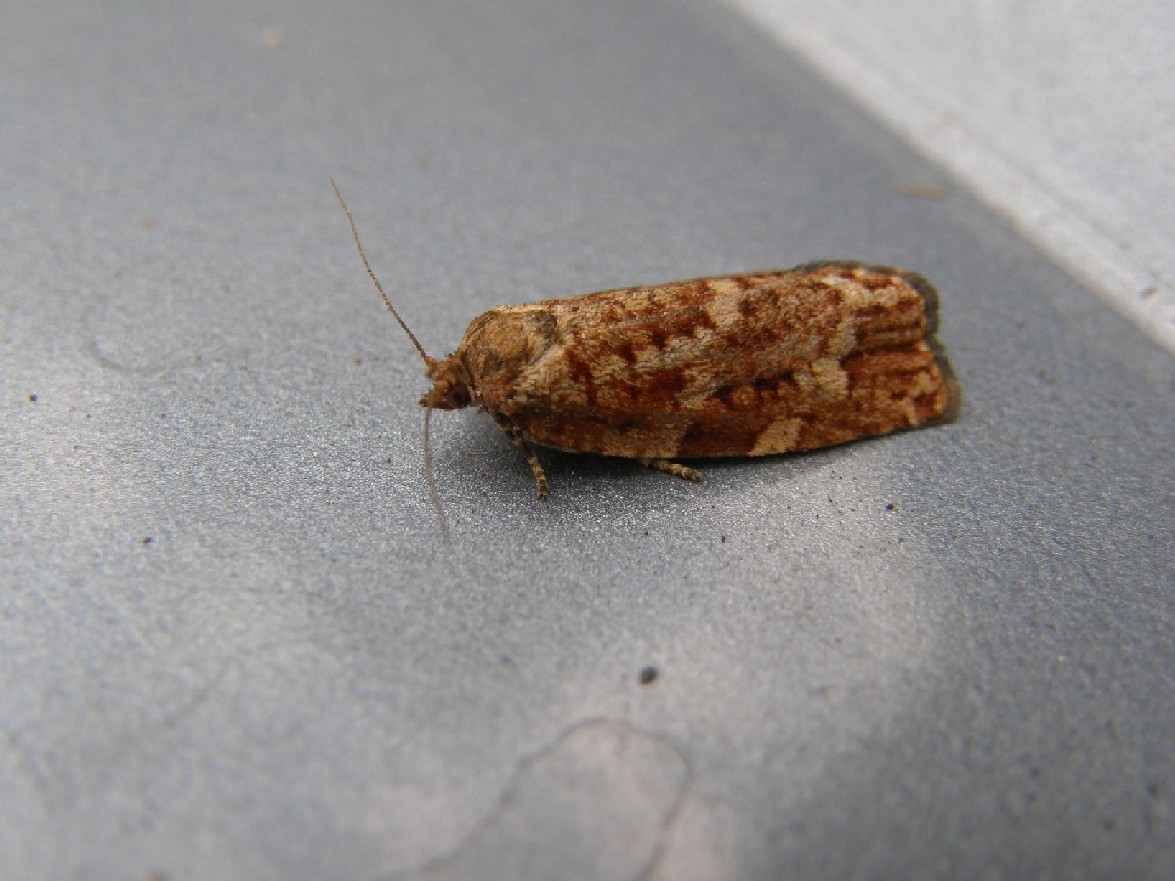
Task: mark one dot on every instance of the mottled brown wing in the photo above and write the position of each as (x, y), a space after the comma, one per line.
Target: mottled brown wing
(742, 365)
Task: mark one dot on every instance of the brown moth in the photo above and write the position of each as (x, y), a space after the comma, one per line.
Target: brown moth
(736, 365)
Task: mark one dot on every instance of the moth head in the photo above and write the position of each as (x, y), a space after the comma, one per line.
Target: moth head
(451, 388)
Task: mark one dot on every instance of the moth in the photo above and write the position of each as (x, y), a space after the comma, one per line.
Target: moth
(736, 365)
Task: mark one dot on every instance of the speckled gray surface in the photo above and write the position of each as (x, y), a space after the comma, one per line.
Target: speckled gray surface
(941, 654)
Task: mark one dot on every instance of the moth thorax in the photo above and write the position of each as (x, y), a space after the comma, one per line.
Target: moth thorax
(451, 388)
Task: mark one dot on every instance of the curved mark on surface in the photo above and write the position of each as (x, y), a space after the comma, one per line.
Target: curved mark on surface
(595, 803)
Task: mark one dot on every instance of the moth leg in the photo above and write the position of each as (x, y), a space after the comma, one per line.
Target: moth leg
(515, 434)
(671, 468)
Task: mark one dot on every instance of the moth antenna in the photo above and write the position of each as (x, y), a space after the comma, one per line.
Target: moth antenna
(433, 495)
(371, 274)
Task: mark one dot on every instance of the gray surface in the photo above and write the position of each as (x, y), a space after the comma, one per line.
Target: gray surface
(296, 679)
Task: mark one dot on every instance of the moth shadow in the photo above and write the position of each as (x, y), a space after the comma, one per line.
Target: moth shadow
(747, 472)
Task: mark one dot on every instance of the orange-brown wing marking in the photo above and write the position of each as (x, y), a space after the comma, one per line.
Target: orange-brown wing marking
(742, 365)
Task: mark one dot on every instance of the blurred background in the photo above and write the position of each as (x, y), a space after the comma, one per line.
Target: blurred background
(1060, 114)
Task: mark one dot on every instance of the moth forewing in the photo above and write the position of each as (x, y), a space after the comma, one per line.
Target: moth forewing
(742, 365)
